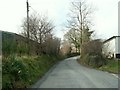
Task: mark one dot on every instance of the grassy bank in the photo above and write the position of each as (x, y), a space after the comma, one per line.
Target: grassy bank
(112, 66)
(21, 72)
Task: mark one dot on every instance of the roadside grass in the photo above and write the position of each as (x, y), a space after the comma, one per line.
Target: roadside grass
(22, 72)
(112, 66)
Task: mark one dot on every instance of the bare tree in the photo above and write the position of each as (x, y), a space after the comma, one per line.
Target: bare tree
(66, 47)
(73, 37)
(39, 28)
(79, 17)
(52, 45)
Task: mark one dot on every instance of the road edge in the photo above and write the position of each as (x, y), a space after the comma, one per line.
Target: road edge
(41, 80)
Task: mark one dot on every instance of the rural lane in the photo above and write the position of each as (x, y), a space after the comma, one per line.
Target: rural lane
(70, 74)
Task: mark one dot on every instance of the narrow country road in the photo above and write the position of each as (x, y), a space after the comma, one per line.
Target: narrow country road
(70, 74)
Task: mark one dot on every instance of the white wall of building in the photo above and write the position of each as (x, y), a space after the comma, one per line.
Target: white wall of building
(116, 45)
(109, 48)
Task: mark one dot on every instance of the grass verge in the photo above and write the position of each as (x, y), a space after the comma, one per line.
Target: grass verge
(112, 66)
(22, 72)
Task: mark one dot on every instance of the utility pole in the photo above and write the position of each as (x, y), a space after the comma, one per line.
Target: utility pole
(27, 19)
(28, 36)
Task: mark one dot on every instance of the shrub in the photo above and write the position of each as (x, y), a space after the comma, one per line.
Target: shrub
(91, 53)
(85, 59)
(96, 61)
(15, 70)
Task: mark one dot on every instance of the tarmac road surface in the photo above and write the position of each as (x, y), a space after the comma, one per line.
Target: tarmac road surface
(70, 74)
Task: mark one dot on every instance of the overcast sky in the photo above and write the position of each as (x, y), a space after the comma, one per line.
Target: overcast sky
(105, 19)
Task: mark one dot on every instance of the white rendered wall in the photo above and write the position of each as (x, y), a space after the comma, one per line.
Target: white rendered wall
(109, 48)
(116, 45)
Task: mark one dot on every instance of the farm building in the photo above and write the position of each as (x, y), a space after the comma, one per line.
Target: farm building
(112, 47)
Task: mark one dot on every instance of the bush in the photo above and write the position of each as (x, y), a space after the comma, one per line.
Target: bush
(15, 70)
(85, 59)
(91, 53)
(96, 61)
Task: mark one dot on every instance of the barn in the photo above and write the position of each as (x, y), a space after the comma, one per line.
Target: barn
(112, 47)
